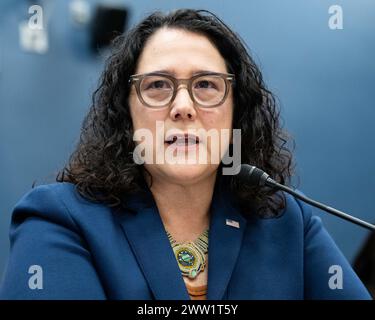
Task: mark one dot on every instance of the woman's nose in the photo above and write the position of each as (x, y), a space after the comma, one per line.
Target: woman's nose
(183, 106)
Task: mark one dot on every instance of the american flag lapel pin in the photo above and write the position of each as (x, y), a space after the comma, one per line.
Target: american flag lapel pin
(232, 223)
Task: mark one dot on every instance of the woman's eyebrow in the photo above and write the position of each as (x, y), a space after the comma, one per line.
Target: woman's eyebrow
(173, 73)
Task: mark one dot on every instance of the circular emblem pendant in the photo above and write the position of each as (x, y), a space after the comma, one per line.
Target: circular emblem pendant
(186, 258)
(190, 259)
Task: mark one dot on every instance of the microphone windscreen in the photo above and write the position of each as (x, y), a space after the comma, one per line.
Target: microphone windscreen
(250, 174)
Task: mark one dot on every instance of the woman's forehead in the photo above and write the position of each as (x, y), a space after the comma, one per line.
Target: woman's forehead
(180, 52)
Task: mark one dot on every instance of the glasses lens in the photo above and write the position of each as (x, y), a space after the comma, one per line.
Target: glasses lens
(156, 90)
(209, 90)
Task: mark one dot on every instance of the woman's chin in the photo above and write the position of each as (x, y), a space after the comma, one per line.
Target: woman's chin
(184, 173)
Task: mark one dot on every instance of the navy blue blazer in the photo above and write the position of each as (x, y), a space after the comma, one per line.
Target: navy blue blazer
(90, 251)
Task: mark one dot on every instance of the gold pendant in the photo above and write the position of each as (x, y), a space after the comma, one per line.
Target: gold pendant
(191, 260)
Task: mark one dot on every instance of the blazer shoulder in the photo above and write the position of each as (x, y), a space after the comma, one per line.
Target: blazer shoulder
(60, 203)
(44, 234)
(296, 209)
(46, 202)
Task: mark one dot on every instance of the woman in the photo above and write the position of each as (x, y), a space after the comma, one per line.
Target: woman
(119, 224)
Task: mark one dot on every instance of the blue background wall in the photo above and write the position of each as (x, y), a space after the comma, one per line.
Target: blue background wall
(325, 80)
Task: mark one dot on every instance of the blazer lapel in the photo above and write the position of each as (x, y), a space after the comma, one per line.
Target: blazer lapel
(224, 244)
(146, 234)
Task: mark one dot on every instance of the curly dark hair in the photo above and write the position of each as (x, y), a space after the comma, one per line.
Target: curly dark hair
(102, 165)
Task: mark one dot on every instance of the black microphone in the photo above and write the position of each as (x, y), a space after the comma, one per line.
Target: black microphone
(257, 177)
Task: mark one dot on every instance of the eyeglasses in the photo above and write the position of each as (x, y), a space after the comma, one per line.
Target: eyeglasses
(158, 90)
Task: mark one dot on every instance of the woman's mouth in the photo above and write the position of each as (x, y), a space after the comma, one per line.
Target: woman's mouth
(183, 141)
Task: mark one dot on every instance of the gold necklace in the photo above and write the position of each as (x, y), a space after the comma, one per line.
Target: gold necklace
(191, 256)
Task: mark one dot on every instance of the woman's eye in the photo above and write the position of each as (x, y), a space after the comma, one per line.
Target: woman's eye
(159, 84)
(205, 84)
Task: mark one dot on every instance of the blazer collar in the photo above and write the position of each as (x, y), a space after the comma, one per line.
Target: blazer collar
(145, 232)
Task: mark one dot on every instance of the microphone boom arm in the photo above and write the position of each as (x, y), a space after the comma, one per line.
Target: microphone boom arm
(273, 184)
(255, 176)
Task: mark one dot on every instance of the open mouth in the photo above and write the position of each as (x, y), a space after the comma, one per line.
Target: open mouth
(182, 139)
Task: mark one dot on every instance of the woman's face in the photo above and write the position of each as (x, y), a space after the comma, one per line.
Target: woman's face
(182, 54)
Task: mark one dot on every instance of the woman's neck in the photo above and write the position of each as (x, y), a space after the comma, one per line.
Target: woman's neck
(184, 209)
